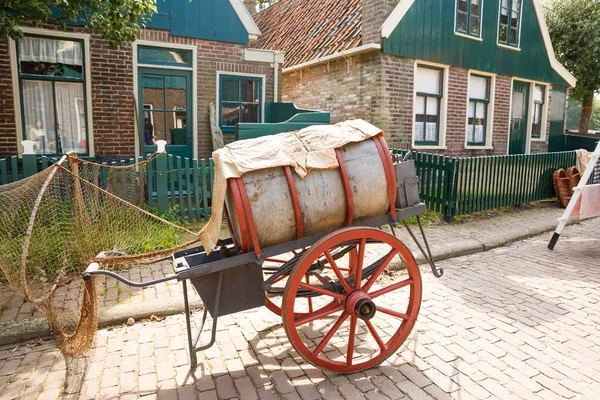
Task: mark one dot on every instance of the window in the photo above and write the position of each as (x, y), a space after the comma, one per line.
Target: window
(510, 20)
(52, 85)
(477, 117)
(539, 97)
(429, 90)
(239, 100)
(468, 17)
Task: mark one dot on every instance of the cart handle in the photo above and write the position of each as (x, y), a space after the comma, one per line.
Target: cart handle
(92, 269)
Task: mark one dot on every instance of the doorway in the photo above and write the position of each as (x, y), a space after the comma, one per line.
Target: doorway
(165, 107)
(518, 119)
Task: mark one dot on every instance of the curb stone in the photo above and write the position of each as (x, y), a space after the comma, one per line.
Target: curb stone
(29, 329)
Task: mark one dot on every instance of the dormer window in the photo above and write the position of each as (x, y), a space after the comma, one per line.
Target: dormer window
(510, 23)
(468, 17)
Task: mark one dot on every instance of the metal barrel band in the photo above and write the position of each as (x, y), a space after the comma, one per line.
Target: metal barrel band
(388, 168)
(239, 208)
(347, 188)
(250, 218)
(295, 200)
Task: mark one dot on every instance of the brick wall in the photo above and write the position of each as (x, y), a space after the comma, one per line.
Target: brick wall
(347, 89)
(8, 141)
(374, 14)
(395, 111)
(501, 114)
(112, 91)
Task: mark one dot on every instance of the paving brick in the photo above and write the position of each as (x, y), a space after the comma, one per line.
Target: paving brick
(350, 392)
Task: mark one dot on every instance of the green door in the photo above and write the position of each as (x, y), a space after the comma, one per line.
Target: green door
(518, 119)
(165, 104)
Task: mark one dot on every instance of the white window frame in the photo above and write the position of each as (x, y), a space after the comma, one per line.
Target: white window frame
(193, 69)
(262, 77)
(443, 106)
(544, 121)
(88, 81)
(490, 112)
(464, 35)
(505, 46)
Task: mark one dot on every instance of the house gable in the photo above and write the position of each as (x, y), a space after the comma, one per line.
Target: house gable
(424, 30)
(221, 20)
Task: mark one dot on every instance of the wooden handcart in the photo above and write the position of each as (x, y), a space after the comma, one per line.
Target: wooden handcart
(342, 307)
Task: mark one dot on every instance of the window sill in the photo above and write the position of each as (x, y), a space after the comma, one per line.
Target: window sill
(479, 147)
(508, 47)
(463, 35)
(425, 147)
(543, 139)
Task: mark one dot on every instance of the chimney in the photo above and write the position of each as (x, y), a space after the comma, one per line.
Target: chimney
(374, 13)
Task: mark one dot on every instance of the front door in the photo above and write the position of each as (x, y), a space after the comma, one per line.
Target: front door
(518, 119)
(165, 107)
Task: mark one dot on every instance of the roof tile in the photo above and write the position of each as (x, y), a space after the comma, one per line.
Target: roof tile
(309, 29)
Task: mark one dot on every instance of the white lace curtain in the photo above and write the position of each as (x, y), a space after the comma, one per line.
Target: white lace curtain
(50, 51)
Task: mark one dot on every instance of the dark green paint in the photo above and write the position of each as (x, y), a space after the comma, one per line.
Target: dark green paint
(518, 119)
(556, 120)
(574, 142)
(427, 33)
(203, 19)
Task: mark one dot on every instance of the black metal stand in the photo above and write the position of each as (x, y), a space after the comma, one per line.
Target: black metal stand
(438, 272)
(193, 343)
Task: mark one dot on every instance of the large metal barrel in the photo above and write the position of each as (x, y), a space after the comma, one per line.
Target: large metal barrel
(274, 205)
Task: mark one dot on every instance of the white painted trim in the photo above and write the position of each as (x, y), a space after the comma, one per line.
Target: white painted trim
(88, 81)
(193, 69)
(395, 17)
(350, 52)
(490, 111)
(266, 56)
(558, 67)
(443, 106)
(263, 89)
(463, 35)
(246, 19)
(421, 147)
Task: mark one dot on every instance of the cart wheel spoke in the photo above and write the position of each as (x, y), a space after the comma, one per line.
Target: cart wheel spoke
(337, 271)
(310, 304)
(276, 260)
(391, 288)
(320, 290)
(376, 336)
(351, 337)
(360, 261)
(393, 312)
(384, 263)
(316, 315)
(330, 334)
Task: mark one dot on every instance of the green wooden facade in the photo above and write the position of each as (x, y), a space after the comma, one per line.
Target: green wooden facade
(427, 32)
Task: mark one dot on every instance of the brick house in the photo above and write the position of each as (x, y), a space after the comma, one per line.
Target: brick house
(70, 91)
(458, 77)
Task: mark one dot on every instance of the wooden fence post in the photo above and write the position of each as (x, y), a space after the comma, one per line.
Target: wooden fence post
(162, 183)
(450, 192)
(29, 165)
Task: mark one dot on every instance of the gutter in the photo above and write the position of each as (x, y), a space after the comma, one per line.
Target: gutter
(267, 56)
(342, 54)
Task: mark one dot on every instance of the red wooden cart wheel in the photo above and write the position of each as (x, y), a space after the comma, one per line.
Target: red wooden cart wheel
(369, 317)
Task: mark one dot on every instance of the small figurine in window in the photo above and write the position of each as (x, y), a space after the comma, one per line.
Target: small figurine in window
(38, 135)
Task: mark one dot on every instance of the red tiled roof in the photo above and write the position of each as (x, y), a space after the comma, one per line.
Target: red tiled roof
(309, 29)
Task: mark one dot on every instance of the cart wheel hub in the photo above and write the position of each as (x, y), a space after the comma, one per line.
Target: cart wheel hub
(359, 304)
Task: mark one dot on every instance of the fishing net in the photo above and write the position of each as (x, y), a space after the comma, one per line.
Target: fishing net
(53, 224)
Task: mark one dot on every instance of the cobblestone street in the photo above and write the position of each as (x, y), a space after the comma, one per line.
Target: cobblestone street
(514, 322)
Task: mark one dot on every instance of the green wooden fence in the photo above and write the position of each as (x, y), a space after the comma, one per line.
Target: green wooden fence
(176, 184)
(450, 186)
(463, 185)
